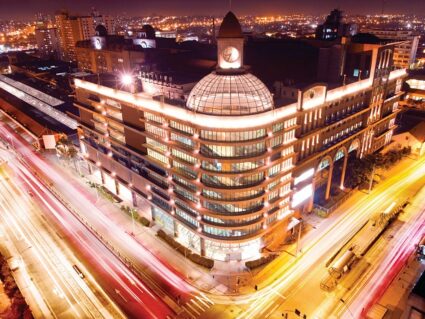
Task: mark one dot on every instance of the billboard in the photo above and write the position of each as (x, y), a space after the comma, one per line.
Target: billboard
(145, 43)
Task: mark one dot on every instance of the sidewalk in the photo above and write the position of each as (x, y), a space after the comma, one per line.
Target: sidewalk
(225, 277)
(146, 236)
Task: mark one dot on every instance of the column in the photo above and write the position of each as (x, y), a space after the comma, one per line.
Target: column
(328, 185)
(344, 168)
(102, 176)
(202, 240)
(310, 204)
(89, 167)
(117, 187)
(134, 198)
(175, 229)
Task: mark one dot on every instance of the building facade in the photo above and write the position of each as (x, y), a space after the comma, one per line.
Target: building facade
(47, 42)
(104, 53)
(335, 27)
(232, 171)
(72, 29)
(405, 50)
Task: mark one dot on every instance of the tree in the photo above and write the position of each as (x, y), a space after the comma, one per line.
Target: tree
(67, 150)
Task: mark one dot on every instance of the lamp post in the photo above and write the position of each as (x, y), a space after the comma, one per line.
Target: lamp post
(127, 80)
(132, 221)
(299, 236)
(10, 137)
(346, 306)
(371, 179)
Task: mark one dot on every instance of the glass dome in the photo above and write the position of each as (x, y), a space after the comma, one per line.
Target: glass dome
(222, 94)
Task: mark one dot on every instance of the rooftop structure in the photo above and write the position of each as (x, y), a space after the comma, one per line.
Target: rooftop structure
(72, 29)
(406, 47)
(335, 27)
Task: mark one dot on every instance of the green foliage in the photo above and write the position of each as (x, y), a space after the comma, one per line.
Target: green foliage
(66, 149)
(135, 214)
(18, 308)
(144, 221)
(359, 171)
(197, 259)
(252, 264)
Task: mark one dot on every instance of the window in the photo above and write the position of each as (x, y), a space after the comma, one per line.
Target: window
(232, 136)
(154, 118)
(181, 127)
(158, 156)
(183, 140)
(184, 156)
(155, 130)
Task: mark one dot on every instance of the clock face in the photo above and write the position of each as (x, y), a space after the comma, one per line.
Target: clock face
(230, 54)
(98, 44)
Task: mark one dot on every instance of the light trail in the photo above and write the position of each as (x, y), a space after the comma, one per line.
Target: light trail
(98, 252)
(14, 211)
(392, 264)
(293, 272)
(316, 252)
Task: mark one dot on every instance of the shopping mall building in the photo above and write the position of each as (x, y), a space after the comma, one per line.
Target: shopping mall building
(233, 169)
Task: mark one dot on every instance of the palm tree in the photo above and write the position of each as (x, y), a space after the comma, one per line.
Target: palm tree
(66, 149)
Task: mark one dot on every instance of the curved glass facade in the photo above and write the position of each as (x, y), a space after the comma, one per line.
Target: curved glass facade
(240, 94)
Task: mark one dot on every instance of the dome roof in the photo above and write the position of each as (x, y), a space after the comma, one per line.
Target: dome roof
(230, 94)
(149, 31)
(230, 27)
(101, 31)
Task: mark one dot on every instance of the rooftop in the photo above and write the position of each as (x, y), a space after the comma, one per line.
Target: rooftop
(45, 108)
(230, 27)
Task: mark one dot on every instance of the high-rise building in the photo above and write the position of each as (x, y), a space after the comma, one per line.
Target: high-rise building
(335, 27)
(47, 41)
(113, 53)
(72, 29)
(231, 171)
(405, 49)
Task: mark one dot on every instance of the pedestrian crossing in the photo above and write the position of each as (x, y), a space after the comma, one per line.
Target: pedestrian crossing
(197, 305)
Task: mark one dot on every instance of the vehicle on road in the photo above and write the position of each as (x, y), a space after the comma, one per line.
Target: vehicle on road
(78, 271)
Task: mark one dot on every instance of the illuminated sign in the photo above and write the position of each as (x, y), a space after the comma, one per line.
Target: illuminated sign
(307, 174)
(303, 194)
(145, 43)
(98, 42)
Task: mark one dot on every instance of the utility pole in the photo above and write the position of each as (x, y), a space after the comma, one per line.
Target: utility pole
(299, 236)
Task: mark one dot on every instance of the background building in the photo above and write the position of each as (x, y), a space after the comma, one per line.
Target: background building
(405, 50)
(47, 42)
(77, 28)
(335, 27)
(104, 53)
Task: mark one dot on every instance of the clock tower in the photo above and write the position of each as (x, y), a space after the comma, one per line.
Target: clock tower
(230, 43)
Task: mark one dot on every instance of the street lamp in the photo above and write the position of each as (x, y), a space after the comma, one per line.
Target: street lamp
(10, 137)
(126, 79)
(346, 306)
(371, 179)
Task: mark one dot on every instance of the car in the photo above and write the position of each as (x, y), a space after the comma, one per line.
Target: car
(78, 271)
(31, 193)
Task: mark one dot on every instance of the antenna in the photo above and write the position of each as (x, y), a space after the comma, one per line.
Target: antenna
(383, 6)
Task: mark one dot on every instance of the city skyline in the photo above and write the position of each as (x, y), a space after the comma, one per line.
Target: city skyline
(190, 7)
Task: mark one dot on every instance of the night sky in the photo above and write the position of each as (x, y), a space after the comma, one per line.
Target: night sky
(27, 8)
